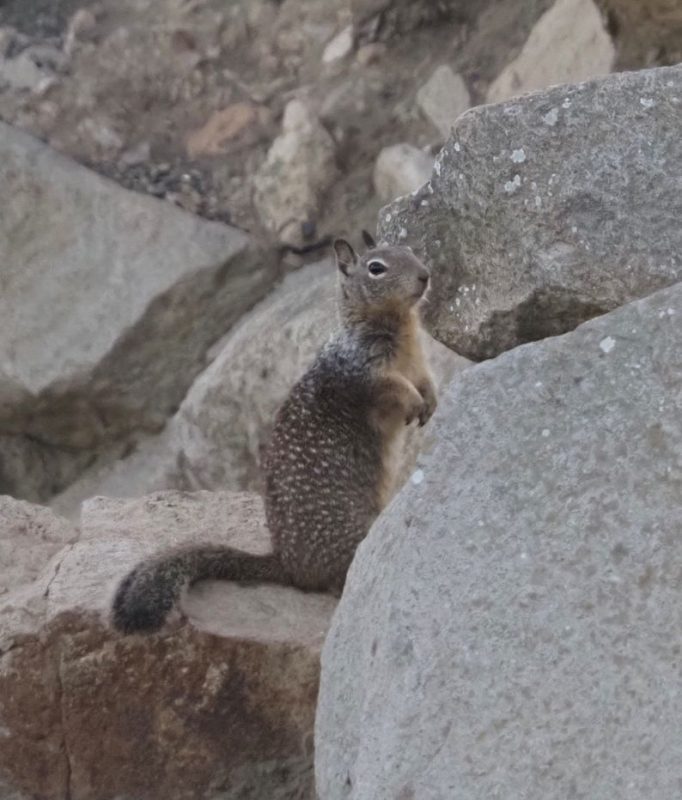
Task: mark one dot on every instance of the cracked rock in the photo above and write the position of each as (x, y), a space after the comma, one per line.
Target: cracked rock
(299, 168)
(221, 706)
(109, 299)
(548, 210)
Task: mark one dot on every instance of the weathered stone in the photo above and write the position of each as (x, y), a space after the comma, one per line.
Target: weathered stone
(339, 47)
(34, 471)
(511, 625)
(401, 169)
(109, 299)
(444, 98)
(299, 168)
(30, 68)
(219, 708)
(216, 438)
(29, 538)
(568, 44)
(225, 126)
(80, 25)
(548, 210)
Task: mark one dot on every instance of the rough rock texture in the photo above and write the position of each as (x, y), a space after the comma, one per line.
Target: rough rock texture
(511, 626)
(299, 168)
(339, 47)
(35, 471)
(109, 299)
(386, 18)
(401, 169)
(568, 44)
(30, 536)
(646, 30)
(215, 439)
(548, 210)
(444, 98)
(219, 709)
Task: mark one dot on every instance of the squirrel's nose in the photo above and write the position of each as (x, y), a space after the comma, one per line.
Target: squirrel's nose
(424, 278)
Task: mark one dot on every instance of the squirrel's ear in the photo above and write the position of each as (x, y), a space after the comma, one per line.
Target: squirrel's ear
(346, 257)
(368, 239)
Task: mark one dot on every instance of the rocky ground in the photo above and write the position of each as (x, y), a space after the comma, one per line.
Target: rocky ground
(183, 99)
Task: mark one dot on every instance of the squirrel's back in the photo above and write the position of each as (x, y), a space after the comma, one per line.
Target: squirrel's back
(329, 466)
(322, 466)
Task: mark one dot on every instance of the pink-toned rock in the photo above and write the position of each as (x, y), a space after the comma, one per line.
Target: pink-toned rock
(220, 706)
(224, 127)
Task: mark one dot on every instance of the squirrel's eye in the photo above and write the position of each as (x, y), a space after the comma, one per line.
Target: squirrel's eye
(376, 268)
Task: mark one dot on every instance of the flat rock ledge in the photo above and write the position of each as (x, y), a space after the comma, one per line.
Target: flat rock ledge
(221, 706)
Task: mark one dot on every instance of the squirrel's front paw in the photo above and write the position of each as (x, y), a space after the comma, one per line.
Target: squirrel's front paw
(428, 406)
(414, 413)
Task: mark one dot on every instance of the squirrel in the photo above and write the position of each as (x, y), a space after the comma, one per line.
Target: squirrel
(331, 460)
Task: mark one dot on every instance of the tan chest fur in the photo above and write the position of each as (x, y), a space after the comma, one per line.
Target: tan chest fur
(410, 363)
(409, 360)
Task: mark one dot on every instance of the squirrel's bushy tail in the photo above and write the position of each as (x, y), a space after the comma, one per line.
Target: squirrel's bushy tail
(147, 594)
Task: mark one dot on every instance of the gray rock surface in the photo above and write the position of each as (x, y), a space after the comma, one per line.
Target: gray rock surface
(34, 471)
(219, 708)
(444, 98)
(216, 438)
(511, 626)
(299, 168)
(548, 210)
(401, 169)
(109, 299)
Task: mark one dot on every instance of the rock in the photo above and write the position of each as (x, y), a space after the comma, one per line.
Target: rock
(444, 98)
(102, 136)
(216, 438)
(30, 68)
(30, 536)
(8, 40)
(507, 629)
(371, 53)
(568, 44)
(155, 288)
(221, 707)
(34, 471)
(136, 155)
(548, 210)
(80, 25)
(401, 169)
(339, 47)
(223, 127)
(299, 168)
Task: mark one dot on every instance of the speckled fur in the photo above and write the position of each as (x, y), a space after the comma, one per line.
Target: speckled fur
(331, 460)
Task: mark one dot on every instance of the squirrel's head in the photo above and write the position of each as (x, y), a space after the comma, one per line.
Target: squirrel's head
(380, 278)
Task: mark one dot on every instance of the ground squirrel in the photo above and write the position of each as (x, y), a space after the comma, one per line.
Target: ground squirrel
(330, 464)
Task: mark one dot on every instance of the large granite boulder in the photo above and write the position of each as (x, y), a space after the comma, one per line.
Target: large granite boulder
(109, 299)
(217, 709)
(216, 438)
(548, 210)
(511, 626)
